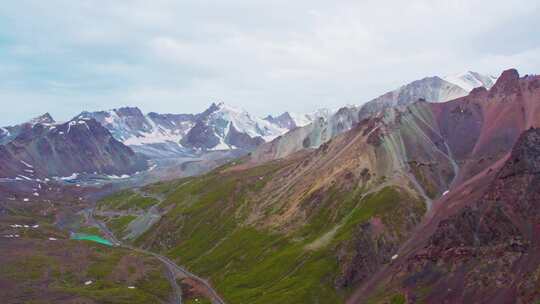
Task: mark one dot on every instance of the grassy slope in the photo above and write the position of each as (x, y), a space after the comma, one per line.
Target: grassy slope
(125, 200)
(53, 274)
(205, 231)
(118, 225)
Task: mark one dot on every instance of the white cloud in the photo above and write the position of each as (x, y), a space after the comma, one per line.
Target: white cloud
(178, 56)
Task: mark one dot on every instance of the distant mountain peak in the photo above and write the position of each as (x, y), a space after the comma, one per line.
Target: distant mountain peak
(470, 80)
(507, 82)
(129, 111)
(284, 120)
(42, 119)
(216, 107)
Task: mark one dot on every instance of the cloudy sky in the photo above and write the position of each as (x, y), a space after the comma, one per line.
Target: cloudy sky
(264, 56)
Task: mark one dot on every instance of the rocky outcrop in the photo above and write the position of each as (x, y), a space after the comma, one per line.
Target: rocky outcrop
(492, 243)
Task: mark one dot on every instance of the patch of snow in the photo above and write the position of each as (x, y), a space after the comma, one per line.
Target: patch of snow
(36, 194)
(88, 283)
(55, 239)
(6, 131)
(300, 120)
(26, 164)
(71, 177)
(24, 226)
(221, 146)
(10, 236)
(123, 176)
(26, 200)
(470, 80)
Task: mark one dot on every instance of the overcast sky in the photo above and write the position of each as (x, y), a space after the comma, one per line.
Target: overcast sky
(67, 56)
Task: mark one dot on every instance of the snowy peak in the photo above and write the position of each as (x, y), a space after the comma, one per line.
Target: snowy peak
(288, 120)
(222, 127)
(285, 120)
(123, 123)
(129, 112)
(470, 80)
(431, 89)
(9, 133)
(43, 119)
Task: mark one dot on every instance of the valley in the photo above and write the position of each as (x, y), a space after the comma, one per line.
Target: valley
(269, 152)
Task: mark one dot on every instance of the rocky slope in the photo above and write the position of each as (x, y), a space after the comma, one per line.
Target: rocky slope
(487, 252)
(479, 232)
(82, 145)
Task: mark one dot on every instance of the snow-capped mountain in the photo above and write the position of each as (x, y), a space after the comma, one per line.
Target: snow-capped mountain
(152, 134)
(82, 145)
(220, 127)
(431, 89)
(11, 132)
(289, 120)
(284, 120)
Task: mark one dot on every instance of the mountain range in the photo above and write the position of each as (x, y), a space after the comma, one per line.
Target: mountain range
(218, 128)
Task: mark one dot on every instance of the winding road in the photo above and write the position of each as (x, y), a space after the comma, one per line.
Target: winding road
(174, 271)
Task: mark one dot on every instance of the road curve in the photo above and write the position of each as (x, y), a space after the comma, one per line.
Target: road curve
(174, 270)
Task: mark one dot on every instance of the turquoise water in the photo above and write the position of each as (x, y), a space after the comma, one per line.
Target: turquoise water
(90, 237)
